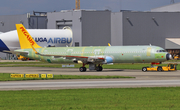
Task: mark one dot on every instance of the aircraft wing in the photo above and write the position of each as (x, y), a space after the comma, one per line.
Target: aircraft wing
(85, 59)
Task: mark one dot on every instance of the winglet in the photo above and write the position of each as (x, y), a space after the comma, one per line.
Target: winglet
(25, 39)
(109, 44)
(34, 50)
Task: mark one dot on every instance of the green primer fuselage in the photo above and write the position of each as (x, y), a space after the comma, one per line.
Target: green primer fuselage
(119, 54)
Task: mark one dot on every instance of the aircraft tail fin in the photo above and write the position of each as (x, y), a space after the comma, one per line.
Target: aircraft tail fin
(25, 39)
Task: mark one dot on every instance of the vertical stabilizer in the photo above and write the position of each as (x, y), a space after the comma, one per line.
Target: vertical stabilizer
(25, 39)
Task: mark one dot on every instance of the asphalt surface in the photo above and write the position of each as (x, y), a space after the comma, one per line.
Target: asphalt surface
(143, 79)
(56, 84)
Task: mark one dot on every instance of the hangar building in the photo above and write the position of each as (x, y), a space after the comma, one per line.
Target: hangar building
(38, 20)
(169, 8)
(98, 28)
(144, 28)
(90, 27)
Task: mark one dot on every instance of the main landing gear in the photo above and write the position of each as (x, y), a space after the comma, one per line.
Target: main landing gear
(99, 68)
(91, 67)
(82, 69)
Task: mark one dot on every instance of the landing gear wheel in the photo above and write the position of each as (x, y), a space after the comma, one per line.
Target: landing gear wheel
(144, 69)
(82, 69)
(159, 69)
(99, 68)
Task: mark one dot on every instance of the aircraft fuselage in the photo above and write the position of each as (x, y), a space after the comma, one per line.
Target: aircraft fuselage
(112, 54)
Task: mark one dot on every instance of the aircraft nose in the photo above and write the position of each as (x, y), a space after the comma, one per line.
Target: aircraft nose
(169, 56)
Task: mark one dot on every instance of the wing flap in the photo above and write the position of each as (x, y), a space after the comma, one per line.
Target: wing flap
(82, 58)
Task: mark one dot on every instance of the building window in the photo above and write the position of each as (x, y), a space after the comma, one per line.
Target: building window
(76, 44)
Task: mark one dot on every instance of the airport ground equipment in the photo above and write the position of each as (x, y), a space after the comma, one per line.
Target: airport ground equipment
(177, 57)
(22, 58)
(169, 67)
(175, 53)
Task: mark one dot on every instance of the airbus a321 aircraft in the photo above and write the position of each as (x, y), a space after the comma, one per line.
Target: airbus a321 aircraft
(94, 56)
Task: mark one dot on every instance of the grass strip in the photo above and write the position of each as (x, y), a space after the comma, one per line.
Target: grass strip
(164, 98)
(23, 62)
(6, 77)
(137, 66)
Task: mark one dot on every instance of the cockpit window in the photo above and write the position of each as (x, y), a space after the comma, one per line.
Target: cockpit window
(161, 51)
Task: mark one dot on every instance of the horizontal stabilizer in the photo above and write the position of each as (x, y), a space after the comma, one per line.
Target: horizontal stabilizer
(16, 52)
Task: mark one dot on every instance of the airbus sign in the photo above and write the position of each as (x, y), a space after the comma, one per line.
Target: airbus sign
(55, 40)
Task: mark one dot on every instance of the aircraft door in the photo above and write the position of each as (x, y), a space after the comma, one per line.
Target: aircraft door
(149, 51)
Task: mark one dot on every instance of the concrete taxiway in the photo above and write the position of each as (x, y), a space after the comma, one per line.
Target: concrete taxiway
(72, 84)
(143, 79)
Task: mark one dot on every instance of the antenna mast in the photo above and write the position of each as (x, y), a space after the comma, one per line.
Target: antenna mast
(77, 4)
(172, 1)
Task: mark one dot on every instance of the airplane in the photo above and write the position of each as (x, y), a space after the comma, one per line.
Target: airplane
(94, 56)
(9, 41)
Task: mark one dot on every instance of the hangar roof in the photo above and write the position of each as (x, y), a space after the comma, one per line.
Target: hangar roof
(168, 8)
(172, 43)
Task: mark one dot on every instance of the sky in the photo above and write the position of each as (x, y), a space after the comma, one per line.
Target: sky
(15, 7)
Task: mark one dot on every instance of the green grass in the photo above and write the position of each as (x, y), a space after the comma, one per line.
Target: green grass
(6, 77)
(137, 66)
(23, 62)
(92, 99)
